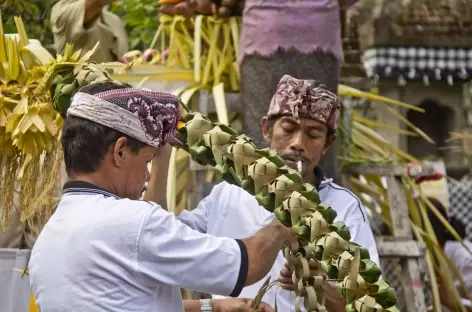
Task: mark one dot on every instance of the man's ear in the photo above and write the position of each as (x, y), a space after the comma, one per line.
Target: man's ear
(325, 150)
(119, 151)
(266, 129)
(329, 140)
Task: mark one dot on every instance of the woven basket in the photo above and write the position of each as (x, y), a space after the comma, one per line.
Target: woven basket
(428, 23)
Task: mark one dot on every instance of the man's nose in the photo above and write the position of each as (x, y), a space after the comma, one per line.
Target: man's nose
(297, 142)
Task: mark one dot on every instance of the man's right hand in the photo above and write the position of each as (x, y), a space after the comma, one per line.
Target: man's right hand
(187, 8)
(264, 247)
(93, 9)
(291, 236)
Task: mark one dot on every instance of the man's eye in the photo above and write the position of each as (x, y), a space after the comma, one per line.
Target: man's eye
(315, 135)
(288, 129)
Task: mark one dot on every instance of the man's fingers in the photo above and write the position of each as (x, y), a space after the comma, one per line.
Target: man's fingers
(286, 272)
(192, 4)
(289, 287)
(314, 265)
(167, 9)
(264, 307)
(285, 280)
(292, 237)
(316, 269)
(183, 9)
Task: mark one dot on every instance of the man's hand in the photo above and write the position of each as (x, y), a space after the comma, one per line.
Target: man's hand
(157, 185)
(238, 305)
(163, 153)
(285, 278)
(291, 235)
(334, 302)
(93, 9)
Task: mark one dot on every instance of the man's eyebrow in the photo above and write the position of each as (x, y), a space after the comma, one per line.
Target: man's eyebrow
(289, 120)
(316, 127)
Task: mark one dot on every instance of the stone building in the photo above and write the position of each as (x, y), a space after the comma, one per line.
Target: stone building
(418, 52)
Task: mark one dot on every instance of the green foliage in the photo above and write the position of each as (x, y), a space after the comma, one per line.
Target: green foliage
(140, 18)
(35, 15)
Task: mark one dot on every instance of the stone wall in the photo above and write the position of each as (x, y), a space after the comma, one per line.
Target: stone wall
(415, 93)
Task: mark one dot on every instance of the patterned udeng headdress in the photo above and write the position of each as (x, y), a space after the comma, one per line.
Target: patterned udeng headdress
(150, 117)
(299, 98)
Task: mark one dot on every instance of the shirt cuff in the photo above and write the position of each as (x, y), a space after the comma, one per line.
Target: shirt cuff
(243, 270)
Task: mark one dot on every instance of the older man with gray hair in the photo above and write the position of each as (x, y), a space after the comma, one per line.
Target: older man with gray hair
(301, 126)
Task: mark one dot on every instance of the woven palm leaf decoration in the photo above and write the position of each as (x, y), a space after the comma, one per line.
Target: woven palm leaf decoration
(281, 190)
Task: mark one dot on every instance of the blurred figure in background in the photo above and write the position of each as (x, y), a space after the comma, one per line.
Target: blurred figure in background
(298, 38)
(452, 248)
(84, 23)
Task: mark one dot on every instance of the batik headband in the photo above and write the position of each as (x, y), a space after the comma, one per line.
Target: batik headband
(150, 117)
(299, 98)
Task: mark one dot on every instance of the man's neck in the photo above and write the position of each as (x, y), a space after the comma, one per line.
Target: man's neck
(310, 177)
(96, 179)
(314, 177)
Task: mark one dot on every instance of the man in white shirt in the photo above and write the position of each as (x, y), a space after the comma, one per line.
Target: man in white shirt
(104, 250)
(300, 125)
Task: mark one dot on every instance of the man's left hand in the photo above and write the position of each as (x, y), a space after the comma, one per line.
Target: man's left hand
(334, 302)
(238, 305)
(285, 278)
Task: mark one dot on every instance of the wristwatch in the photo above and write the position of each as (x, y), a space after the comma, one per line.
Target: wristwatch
(205, 305)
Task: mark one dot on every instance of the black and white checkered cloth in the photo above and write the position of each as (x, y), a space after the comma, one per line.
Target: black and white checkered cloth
(460, 199)
(408, 63)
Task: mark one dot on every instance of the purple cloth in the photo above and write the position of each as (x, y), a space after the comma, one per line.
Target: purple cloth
(150, 117)
(303, 25)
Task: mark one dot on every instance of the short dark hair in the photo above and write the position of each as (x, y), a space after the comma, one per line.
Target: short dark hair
(85, 143)
(442, 234)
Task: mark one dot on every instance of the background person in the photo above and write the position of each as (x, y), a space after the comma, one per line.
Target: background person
(86, 22)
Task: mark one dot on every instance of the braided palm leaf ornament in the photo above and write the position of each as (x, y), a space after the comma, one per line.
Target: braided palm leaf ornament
(296, 204)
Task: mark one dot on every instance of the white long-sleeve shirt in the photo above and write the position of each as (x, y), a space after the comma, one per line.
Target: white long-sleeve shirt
(230, 211)
(99, 252)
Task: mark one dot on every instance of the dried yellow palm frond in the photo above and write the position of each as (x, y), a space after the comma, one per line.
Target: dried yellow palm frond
(375, 124)
(203, 44)
(30, 125)
(344, 90)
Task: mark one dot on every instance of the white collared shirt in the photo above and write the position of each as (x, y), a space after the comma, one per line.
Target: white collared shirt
(102, 253)
(229, 211)
(463, 261)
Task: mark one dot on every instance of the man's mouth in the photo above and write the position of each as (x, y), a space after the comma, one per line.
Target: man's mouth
(292, 162)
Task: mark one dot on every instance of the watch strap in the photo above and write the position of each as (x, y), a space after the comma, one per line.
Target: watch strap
(205, 305)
